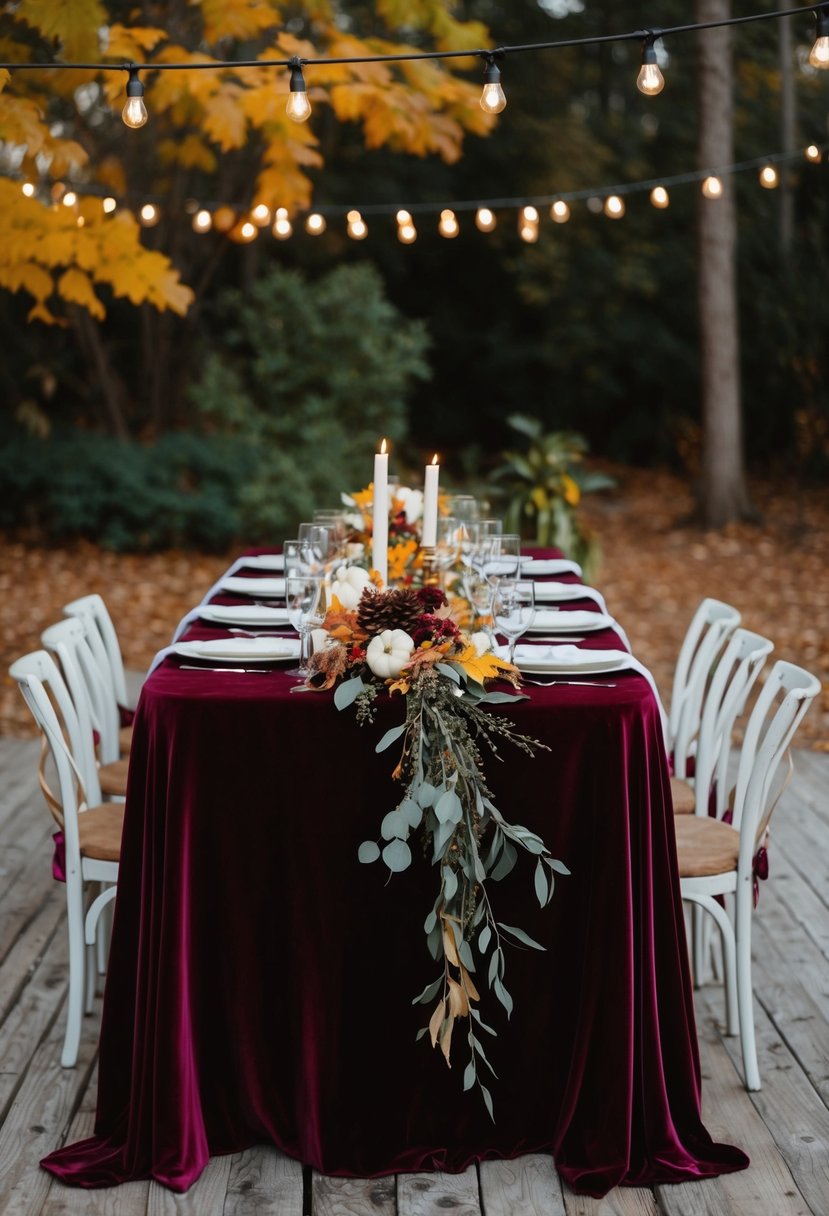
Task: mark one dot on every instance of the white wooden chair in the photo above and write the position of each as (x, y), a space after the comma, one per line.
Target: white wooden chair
(103, 642)
(92, 833)
(91, 693)
(711, 626)
(720, 859)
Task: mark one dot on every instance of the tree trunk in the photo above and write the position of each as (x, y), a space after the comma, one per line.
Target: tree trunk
(788, 121)
(107, 384)
(724, 493)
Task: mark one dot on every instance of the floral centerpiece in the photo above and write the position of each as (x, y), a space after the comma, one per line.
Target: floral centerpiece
(404, 642)
(405, 518)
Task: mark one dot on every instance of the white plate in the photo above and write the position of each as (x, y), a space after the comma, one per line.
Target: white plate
(562, 660)
(264, 561)
(262, 588)
(249, 650)
(244, 614)
(552, 592)
(576, 620)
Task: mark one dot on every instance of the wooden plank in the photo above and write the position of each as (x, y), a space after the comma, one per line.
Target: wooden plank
(621, 1201)
(352, 1196)
(529, 1185)
(789, 1107)
(18, 764)
(30, 947)
(37, 1122)
(264, 1182)
(804, 904)
(432, 1194)
(727, 1111)
(206, 1195)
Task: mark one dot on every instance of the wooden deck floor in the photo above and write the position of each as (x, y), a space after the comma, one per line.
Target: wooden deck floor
(784, 1127)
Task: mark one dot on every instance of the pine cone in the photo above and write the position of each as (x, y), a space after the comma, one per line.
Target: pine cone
(394, 609)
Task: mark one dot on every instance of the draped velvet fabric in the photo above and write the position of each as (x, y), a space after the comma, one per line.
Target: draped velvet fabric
(260, 980)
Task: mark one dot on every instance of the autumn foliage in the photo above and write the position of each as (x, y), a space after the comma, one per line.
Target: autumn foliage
(221, 134)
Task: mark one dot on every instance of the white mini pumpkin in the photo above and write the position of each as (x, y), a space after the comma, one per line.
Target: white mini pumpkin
(389, 652)
(348, 585)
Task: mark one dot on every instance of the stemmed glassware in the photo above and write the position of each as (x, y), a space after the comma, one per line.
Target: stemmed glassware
(315, 545)
(514, 609)
(302, 596)
(503, 559)
(449, 540)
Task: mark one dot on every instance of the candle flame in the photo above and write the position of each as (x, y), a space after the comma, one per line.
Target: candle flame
(435, 458)
(383, 448)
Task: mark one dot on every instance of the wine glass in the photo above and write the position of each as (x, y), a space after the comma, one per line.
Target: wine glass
(485, 528)
(302, 596)
(315, 543)
(448, 542)
(464, 508)
(504, 557)
(514, 609)
(480, 592)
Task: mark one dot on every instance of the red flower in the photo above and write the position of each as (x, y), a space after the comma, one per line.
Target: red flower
(431, 597)
(434, 629)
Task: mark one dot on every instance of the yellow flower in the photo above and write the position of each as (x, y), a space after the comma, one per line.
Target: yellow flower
(399, 557)
(572, 493)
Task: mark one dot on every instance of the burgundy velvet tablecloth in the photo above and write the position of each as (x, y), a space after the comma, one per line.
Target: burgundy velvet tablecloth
(260, 979)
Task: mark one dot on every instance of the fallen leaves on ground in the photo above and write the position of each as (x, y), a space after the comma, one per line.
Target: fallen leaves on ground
(656, 567)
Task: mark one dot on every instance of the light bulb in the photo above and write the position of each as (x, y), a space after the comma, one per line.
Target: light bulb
(80, 221)
(559, 211)
(202, 221)
(109, 205)
(660, 197)
(819, 54)
(614, 207)
(357, 229)
(528, 231)
(298, 107)
(448, 225)
(403, 217)
(407, 233)
(261, 215)
(315, 224)
(28, 189)
(650, 80)
(485, 219)
(530, 214)
(248, 231)
(148, 215)
(769, 177)
(134, 112)
(282, 226)
(812, 153)
(70, 198)
(712, 187)
(493, 98)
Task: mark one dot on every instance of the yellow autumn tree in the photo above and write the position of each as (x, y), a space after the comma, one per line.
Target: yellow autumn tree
(220, 134)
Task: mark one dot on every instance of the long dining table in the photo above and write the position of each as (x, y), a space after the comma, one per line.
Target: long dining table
(261, 980)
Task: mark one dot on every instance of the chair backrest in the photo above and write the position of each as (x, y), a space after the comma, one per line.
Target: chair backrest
(786, 695)
(712, 624)
(106, 648)
(70, 641)
(733, 678)
(43, 689)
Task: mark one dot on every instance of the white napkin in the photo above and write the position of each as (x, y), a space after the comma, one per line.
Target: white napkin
(540, 567)
(549, 593)
(187, 619)
(232, 568)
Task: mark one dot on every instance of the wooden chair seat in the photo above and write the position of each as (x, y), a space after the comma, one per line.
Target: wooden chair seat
(113, 778)
(682, 796)
(125, 740)
(99, 831)
(705, 846)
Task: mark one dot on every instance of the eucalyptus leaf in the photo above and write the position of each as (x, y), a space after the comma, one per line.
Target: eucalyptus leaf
(503, 996)
(434, 942)
(442, 837)
(556, 865)
(426, 795)
(521, 936)
(469, 1076)
(533, 845)
(389, 737)
(484, 938)
(449, 671)
(394, 825)
(450, 883)
(428, 992)
(348, 692)
(449, 808)
(465, 954)
(397, 855)
(498, 698)
(487, 1097)
(477, 1046)
(541, 884)
(430, 921)
(476, 1015)
(368, 851)
(411, 812)
(423, 1030)
(508, 860)
(493, 967)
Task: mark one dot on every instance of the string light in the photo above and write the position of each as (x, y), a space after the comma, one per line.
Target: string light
(109, 205)
(448, 226)
(298, 108)
(356, 229)
(614, 207)
(28, 189)
(650, 80)
(282, 226)
(528, 224)
(560, 212)
(315, 224)
(493, 98)
(812, 153)
(660, 197)
(712, 187)
(485, 219)
(134, 112)
(769, 177)
(202, 221)
(261, 215)
(244, 232)
(148, 215)
(69, 199)
(819, 54)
